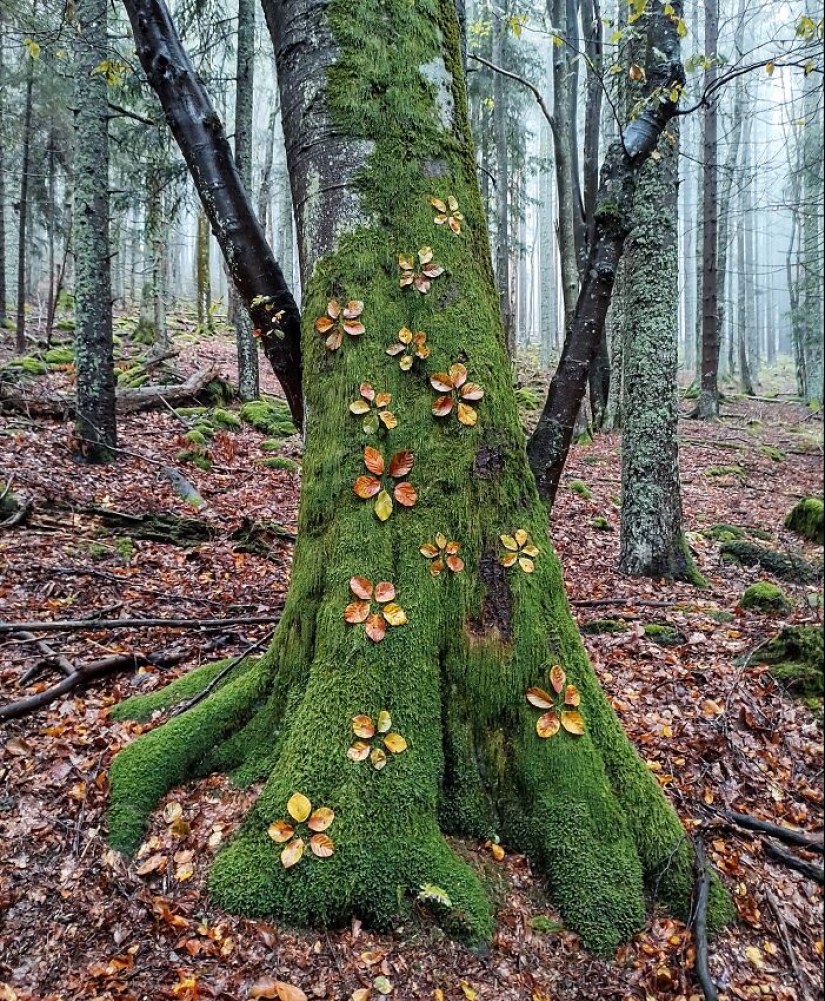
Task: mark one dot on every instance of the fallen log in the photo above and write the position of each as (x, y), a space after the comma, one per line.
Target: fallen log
(808, 869)
(99, 625)
(127, 400)
(700, 928)
(812, 842)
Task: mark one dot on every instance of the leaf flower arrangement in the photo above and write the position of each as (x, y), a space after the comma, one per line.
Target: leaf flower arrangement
(367, 747)
(373, 408)
(442, 555)
(410, 346)
(300, 812)
(419, 277)
(519, 550)
(367, 487)
(376, 621)
(563, 711)
(339, 320)
(456, 392)
(448, 213)
(274, 320)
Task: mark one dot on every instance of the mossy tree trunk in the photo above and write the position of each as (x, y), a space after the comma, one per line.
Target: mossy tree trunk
(375, 125)
(203, 278)
(2, 181)
(95, 422)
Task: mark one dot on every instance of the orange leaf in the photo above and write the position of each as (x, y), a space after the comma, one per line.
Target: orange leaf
(361, 587)
(292, 854)
(321, 845)
(438, 204)
(466, 415)
(455, 563)
(376, 628)
(508, 559)
(454, 224)
(572, 696)
(547, 725)
(401, 463)
(366, 487)
(266, 987)
(442, 382)
(324, 324)
(557, 678)
(383, 399)
(356, 611)
(443, 406)
(335, 340)
(405, 494)
(436, 567)
(359, 751)
(384, 591)
(374, 460)
(353, 309)
(363, 726)
(539, 698)
(299, 807)
(321, 819)
(429, 550)
(288, 992)
(280, 831)
(472, 391)
(573, 722)
(394, 614)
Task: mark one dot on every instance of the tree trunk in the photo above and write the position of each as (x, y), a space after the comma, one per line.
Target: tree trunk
(95, 423)
(708, 408)
(378, 103)
(652, 542)
(23, 209)
(203, 278)
(3, 290)
(502, 255)
(248, 386)
(199, 133)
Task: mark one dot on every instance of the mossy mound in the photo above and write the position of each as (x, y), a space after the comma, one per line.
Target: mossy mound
(271, 417)
(194, 458)
(664, 635)
(806, 519)
(528, 398)
(765, 597)
(581, 488)
(719, 471)
(720, 615)
(783, 566)
(281, 462)
(28, 365)
(724, 533)
(775, 454)
(225, 419)
(63, 355)
(796, 659)
(600, 626)
(601, 524)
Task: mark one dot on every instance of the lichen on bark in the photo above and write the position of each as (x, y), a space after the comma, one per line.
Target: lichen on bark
(454, 677)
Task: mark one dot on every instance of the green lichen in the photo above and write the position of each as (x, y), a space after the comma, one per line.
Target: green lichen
(580, 488)
(765, 597)
(806, 519)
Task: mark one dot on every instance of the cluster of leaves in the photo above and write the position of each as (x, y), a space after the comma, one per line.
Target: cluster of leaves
(442, 554)
(376, 621)
(456, 392)
(339, 320)
(300, 811)
(367, 746)
(419, 277)
(373, 408)
(448, 213)
(410, 346)
(562, 706)
(519, 550)
(367, 487)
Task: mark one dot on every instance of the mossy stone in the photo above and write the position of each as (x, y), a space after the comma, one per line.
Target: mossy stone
(806, 519)
(783, 566)
(765, 597)
(724, 533)
(664, 635)
(580, 488)
(271, 417)
(281, 462)
(225, 419)
(63, 355)
(599, 626)
(719, 471)
(796, 659)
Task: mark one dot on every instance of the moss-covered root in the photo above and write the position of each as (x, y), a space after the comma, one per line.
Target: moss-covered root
(796, 659)
(806, 519)
(147, 768)
(784, 567)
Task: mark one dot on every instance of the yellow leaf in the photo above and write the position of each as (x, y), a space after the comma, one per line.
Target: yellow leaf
(359, 407)
(508, 559)
(361, 994)
(363, 726)
(383, 506)
(526, 564)
(395, 743)
(466, 415)
(769, 67)
(573, 722)
(394, 614)
(755, 956)
(378, 758)
(299, 807)
(280, 831)
(547, 725)
(384, 721)
(292, 854)
(497, 852)
(509, 542)
(469, 992)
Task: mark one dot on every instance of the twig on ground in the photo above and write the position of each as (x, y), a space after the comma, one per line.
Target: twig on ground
(92, 625)
(51, 657)
(700, 928)
(19, 515)
(809, 869)
(785, 935)
(812, 842)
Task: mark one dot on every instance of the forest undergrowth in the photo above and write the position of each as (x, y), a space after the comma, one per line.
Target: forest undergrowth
(78, 921)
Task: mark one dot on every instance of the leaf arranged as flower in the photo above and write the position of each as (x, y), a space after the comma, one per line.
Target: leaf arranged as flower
(372, 407)
(562, 711)
(410, 346)
(448, 213)
(442, 554)
(339, 320)
(419, 275)
(376, 620)
(519, 550)
(456, 392)
(367, 487)
(287, 832)
(375, 739)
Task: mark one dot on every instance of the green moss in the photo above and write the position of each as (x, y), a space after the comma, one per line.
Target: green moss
(806, 519)
(194, 458)
(225, 419)
(599, 626)
(98, 551)
(281, 462)
(601, 524)
(775, 454)
(544, 925)
(664, 634)
(197, 438)
(187, 412)
(125, 548)
(217, 392)
(724, 533)
(63, 355)
(720, 615)
(272, 417)
(796, 659)
(719, 471)
(765, 597)
(585, 438)
(581, 488)
(27, 365)
(64, 324)
(783, 566)
(527, 398)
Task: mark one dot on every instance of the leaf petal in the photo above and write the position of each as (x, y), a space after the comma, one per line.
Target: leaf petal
(531, 550)
(378, 758)
(384, 721)
(466, 415)
(354, 327)
(356, 611)
(335, 340)
(508, 559)
(436, 567)
(367, 391)
(395, 349)
(527, 565)
(401, 464)
(471, 391)
(363, 726)
(385, 591)
(572, 696)
(361, 587)
(539, 698)
(353, 309)
(557, 678)
(280, 831)
(395, 743)
(438, 204)
(573, 722)
(405, 335)
(394, 614)
(406, 363)
(321, 845)
(359, 407)
(443, 406)
(425, 255)
(422, 283)
(376, 628)
(359, 751)
(383, 399)
(299, 807)
(405, 494)
(293, 853)
(458, 375)
(547, 725)
(374, 460)
(321, 819)
(383, 506)
(429, 550)
(442, 382)
(455, 563)
(334, 309)
(324, 324)
(509, 543)
(366, 487)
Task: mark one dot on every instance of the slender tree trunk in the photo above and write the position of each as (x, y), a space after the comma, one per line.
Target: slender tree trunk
(265, 188)
(23, 209)
(199, 134)
(203, 277)
(708, 408)
(503, 254)
(449, 679)
(50, 227)
(3, 289)
(248, 387)
(95, 421)
(742, 311)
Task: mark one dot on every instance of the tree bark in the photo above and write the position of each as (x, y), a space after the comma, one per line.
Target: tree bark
(202, 141)
(203, 278)
(23, 209)
(95, 429)
(502, 193)
(374, 96)
(3, 289)
(551, 440)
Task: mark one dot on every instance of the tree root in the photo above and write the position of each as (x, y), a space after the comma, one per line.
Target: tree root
(700, 927)
(811, 842)
(99, 625)
(808, 869)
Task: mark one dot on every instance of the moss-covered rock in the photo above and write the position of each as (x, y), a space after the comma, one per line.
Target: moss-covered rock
(598, 627)
(664, 634)
(281, 462)
(580, 488)
(806, 519)
(796, 659)
(719, 471)
(724, 533)
(197, 439)
(765, 597)
(271, 417)
(195, 458)
(783, 566)
(62, 355)
(28, 365)
(225, 419)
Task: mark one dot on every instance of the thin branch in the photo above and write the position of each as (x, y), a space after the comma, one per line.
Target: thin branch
(125, 113)
(90, 625)
(811, 842)
(551, 121)
(808, 869)
(701, 925)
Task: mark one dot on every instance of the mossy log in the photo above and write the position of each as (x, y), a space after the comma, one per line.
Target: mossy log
(453, 677)
(250, 536)
(784, 566)
(796, 659)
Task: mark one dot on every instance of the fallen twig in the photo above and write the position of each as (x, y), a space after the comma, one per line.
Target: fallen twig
(92, 625)
(700, 928)
(813, 842)
(810, 869)
(51, 656)
(784, 934)
(19, 515)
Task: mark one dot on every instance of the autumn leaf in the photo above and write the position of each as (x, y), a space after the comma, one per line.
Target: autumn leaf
(547, 725)
(298, 807)
(376, 628)
(321, 819)
(383, 505)
(378, 758)
(292, 854)
(373, 460)
(557, 678)
(384, 721)
(356, 611)
(321, 846)
(573, 722)
(363, 726)
(359, 751)
(280, 831)
(401, 464)
(395, 743)
(394, 614)
(384, 591)
(539, 698)
(361, 587)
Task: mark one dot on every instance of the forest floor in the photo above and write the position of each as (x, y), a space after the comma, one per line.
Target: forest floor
(78, 921)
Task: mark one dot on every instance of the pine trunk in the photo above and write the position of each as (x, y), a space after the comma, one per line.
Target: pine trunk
(375, 124)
